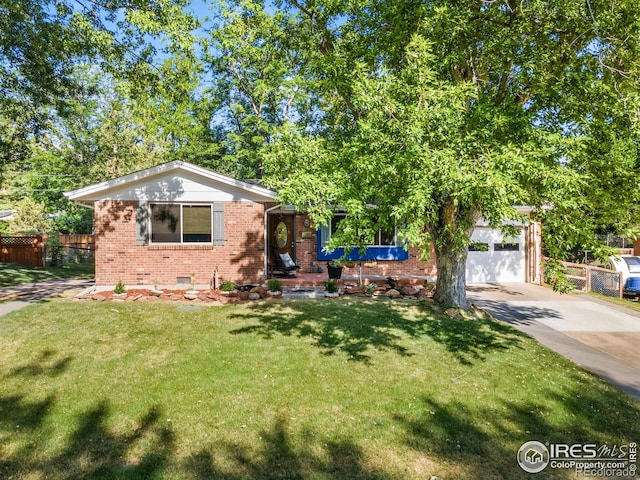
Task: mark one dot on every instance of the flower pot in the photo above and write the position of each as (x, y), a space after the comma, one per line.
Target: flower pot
(334, 272)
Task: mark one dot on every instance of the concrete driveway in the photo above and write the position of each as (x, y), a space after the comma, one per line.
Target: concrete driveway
(600, 336)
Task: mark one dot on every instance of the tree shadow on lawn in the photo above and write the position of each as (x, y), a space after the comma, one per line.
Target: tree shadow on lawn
(486, 437)
(92, 449)
(355, 328)
(283, 455)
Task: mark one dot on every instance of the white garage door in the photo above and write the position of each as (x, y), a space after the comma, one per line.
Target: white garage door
(495, 258)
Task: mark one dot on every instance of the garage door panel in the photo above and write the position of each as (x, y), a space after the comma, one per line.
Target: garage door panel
(504, 265)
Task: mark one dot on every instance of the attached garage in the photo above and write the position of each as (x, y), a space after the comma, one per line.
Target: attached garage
(497, 257)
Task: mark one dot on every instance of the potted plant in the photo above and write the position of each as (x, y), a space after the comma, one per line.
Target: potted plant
(331, 286)
(275, 287)
(335, 269)
(227, 287)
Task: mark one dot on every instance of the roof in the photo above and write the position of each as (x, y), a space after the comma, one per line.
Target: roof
(174, 175)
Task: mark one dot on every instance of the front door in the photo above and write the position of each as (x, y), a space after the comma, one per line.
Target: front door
(282, 235)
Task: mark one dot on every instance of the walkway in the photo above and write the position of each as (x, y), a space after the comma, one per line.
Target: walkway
(600, 336)
(20, 296)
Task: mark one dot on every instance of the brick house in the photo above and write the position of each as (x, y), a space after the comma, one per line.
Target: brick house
(178, 223)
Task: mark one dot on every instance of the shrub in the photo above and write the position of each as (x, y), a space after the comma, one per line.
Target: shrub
(555, 274)
(119, 287)
(227, 286)
(274, 285)
(331, 285)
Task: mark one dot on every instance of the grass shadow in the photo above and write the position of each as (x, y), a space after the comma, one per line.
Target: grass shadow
(282, 455)
(356, 328)
(92, 449)
(45, 364)
(486, 436)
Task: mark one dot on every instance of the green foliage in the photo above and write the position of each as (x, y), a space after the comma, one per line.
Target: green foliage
(331, 285)
(227, 286)
(371, 288)
(119, 288)
(476, 108)
(43, 41)
(555, 274)
(54, 249)
(274, 285)
(31, 217)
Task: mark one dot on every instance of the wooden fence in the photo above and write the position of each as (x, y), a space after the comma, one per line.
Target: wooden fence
(31, 250)
(22, 249)
(589, 278)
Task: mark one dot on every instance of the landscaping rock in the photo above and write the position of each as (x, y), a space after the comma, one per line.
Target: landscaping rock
(453, 313)
(254, 296)
(349, 290)
(244, 295)
(393, 293)
(409, 290)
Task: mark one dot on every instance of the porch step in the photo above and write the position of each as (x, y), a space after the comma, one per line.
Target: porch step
(307, 291)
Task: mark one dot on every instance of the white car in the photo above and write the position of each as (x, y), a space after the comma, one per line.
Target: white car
(629, 266)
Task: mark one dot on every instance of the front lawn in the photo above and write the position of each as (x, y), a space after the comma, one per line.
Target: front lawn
(286, 389)
(13, 274)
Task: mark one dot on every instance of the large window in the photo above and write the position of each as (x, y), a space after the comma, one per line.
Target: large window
(381, 238)
(172, 223)
(381, 244)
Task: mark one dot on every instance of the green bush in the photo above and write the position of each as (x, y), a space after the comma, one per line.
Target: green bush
(227, 286)
(331, 285)
(274, 285)
(119, 287)
(555, 274)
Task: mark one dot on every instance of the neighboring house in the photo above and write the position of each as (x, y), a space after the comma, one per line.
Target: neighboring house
(180, 223)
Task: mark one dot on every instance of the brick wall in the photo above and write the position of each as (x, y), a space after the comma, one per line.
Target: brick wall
(119, 258)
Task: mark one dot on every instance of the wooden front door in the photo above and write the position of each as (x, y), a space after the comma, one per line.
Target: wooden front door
(282, 235)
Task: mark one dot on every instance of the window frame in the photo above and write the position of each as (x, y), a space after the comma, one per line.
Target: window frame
(181, 222)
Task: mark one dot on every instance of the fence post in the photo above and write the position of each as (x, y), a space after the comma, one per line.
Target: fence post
(620, 286)
(587, 272)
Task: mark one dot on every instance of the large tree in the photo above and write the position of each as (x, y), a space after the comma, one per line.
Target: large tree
(438, 113)
(42, 41)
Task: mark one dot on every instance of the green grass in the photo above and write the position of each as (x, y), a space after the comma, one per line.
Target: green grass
(291, 389)
(14, 274)
(623, 302)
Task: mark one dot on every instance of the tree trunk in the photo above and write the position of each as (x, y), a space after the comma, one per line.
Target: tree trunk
(450, 288)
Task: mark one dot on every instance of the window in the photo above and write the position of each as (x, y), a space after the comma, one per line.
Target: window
(478, 247)
(382, 244)
(383, 238)
(181, 223)
(633, 263)
(506, 247)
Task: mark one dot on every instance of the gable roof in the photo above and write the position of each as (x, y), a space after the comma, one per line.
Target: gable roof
(139, 185)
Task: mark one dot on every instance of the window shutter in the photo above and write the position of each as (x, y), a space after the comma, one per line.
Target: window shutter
(142, 224)
(218, 223)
